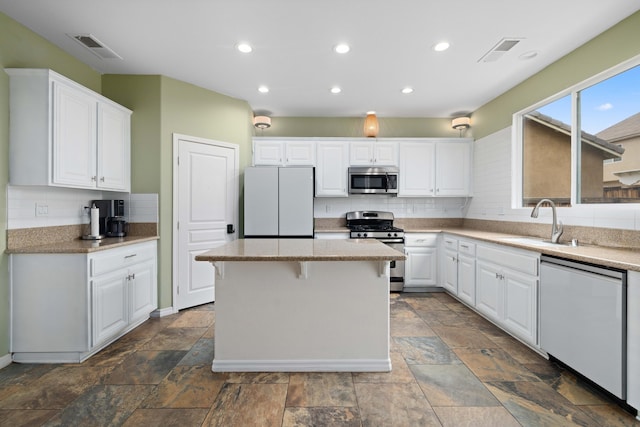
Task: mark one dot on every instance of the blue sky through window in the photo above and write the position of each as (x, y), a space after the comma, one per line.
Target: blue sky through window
(603, 104)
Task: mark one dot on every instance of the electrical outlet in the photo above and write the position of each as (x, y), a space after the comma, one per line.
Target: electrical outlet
(42, 209)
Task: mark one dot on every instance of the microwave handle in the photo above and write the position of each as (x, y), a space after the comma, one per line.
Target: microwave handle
(386, 183)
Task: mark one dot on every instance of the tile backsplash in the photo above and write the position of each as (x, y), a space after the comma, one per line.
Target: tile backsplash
(31, 207)
(402, 207)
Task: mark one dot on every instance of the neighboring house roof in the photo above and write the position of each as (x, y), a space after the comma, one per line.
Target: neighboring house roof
(613, 150)
(626, 129)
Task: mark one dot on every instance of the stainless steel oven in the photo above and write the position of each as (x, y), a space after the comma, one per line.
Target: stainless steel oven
(379, 225)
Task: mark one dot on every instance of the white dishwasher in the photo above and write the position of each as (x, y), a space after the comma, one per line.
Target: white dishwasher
(583, 320)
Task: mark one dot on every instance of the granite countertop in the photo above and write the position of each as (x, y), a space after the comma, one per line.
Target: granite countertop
(302, 250)
(79, 246)
(622, 258)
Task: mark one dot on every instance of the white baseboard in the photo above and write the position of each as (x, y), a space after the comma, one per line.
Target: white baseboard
(5, 360)
(162, 312)
(330, 365)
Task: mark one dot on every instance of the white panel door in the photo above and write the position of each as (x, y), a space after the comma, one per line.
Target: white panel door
(207, 189)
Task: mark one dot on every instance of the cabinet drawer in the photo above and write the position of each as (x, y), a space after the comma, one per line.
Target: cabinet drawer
(115, 259)
(450, 243)
(420, 239)
(465, 247)
(513, 260)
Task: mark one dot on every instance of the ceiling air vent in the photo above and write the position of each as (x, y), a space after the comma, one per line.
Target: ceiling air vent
(96, 47)
(502, 47)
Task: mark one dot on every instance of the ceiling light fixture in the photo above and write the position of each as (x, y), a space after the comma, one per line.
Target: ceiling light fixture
(262, 122)
(336, 89)
(371, 126)
(342, 48)
(441, 47)
(244, 47)
(407, 89)
(461, 124)
(263, 89)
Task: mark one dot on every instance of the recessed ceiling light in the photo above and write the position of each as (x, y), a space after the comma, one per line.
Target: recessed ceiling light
(370, 112)
(263, 89)
(529, 55)
(336, 89)
(342, 48)
(407, 89)
(440, 47)
(244, 47)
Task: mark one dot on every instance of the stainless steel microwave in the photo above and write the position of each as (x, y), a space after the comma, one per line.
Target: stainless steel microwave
(373, 180)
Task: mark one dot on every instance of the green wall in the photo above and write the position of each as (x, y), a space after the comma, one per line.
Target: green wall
(610, 48)
(163, 106)
(352, 127)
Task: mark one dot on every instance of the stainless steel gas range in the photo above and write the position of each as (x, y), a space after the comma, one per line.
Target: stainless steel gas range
(379, 225)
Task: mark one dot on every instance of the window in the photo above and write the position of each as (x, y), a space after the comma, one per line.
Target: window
(583, 147)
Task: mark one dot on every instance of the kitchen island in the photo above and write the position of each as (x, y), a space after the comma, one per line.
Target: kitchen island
(302, 305)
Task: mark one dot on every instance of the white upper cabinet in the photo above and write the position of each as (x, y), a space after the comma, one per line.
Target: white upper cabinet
(63, 134)
(435, 167)
(277, 152)
(114, 161)
(332, 161)
(373, 153)
(417, 177)
(453, 167)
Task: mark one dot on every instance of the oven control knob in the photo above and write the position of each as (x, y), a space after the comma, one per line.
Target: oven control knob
(389, 234)
(359, 234)
(395, 234)
(364, 235)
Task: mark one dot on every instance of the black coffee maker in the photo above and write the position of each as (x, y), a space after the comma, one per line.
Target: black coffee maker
(112, 222)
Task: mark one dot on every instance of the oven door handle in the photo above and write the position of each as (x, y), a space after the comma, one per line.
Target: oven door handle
(391, 240)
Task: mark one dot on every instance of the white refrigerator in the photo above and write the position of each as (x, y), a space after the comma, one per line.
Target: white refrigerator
(278, 202)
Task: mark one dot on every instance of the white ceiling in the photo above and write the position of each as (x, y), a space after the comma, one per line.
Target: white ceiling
(391, 40)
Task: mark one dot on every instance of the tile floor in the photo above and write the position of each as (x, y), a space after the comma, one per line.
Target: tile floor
(450, 368)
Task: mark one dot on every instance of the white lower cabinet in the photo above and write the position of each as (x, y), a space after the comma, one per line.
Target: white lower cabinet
(467, 278)
(66, 307)
(507, 289)
(110, 313)
(459, 268)
(421, 265)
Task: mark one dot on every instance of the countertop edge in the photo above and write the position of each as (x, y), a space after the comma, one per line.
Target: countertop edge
(79, 246)
(222, 258)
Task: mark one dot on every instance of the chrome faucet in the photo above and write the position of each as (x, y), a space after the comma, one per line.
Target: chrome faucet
(556, 226)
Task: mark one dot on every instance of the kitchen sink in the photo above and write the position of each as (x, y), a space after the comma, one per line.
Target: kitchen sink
(533, 241)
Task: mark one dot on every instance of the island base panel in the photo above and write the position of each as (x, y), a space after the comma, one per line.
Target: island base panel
(270, 319)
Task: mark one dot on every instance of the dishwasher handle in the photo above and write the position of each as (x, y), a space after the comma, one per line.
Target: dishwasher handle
(590, 268)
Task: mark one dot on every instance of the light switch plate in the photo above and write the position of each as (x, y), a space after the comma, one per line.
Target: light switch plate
(42, 209)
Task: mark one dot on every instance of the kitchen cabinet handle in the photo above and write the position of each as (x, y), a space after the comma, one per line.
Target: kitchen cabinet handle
(464, 246)
(94, 178)
(102, 179)
(130, 256)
